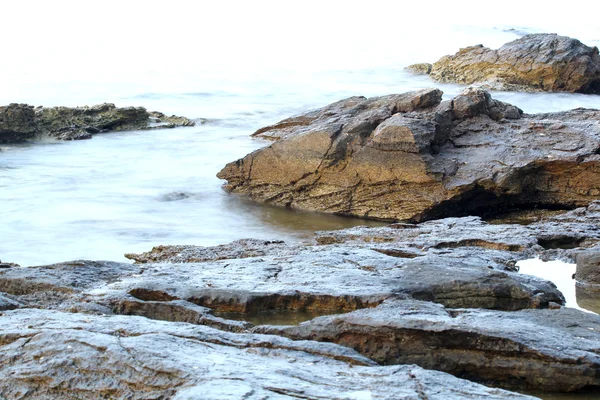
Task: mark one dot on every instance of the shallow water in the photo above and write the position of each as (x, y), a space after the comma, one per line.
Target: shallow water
(561, 273)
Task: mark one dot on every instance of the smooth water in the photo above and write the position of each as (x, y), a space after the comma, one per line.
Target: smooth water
(240, 67)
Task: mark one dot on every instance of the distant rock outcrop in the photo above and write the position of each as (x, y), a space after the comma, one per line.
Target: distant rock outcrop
(537, 62)
(21, 122)
(411, 157)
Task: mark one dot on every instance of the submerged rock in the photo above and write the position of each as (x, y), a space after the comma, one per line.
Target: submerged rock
(412, 158)
(537, 62)
(20, 122)
(551, 350)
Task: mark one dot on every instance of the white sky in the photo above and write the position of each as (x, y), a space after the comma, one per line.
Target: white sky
(63, 40)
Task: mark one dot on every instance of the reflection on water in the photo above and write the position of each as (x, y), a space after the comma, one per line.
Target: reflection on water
(588, 297)
(561, 274)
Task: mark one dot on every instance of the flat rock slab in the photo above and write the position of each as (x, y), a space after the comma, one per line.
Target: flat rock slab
(554, 350)
(537, 62)
(335, 278)
(561, 236)
(412, 158)
(47, 354)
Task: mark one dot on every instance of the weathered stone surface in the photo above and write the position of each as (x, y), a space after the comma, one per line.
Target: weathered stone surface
(411, 158)
(559, 236)
(537, 62)
(20, 122)
(588, 266)
(419, 69)
(243, 248)
(8, 304)
(554, 350)
(59, 355)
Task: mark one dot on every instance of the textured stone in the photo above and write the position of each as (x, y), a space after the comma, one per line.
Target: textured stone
(49, 355)
(20, 122)
(552, 350)
(411, 158)
(537, 62)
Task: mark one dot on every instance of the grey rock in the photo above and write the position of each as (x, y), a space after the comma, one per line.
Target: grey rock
(553, 350)
(48, 355)
(8, 304)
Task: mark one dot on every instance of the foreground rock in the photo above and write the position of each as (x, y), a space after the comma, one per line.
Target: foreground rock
(523, 349)
(59, 355)
(442, 294)
(537, 62)
(21, 122)
(411, 157)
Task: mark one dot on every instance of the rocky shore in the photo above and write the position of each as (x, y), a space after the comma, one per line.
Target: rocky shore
(22, 122)
(401, 306)
(537, 62)
(431, 306)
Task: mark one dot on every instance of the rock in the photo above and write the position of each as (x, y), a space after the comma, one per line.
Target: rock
(413, 158)
(537, 62)
(243, 248)
(328, 279)
(557, 237)
(550, 350)
(49, 354)
(17, 123)
(20, 122)
(8, 304)
(588, 266)
(419, 69)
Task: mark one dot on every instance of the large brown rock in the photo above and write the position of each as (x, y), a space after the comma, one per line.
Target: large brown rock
(411, 157)
(538, 62)
(20, 122)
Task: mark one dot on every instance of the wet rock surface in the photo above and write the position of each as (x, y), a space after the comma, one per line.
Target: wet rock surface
(22, 122)
(537, 62)
(49, 354)
(523, 349)
(444, 295)
(413, 158)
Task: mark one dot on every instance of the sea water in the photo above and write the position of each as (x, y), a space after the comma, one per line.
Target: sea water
(234, 67)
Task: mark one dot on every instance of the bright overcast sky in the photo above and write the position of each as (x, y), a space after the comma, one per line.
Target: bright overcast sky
(61, 40)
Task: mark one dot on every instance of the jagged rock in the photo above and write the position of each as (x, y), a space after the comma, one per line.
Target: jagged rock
(47, 354)
(20, 122)
(238, 249)
(412, 158)
(559, 236)
(537, 62)
(552, 350)
(419, 69)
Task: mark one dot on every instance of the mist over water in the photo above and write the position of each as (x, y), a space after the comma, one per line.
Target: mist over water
(237, 65)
